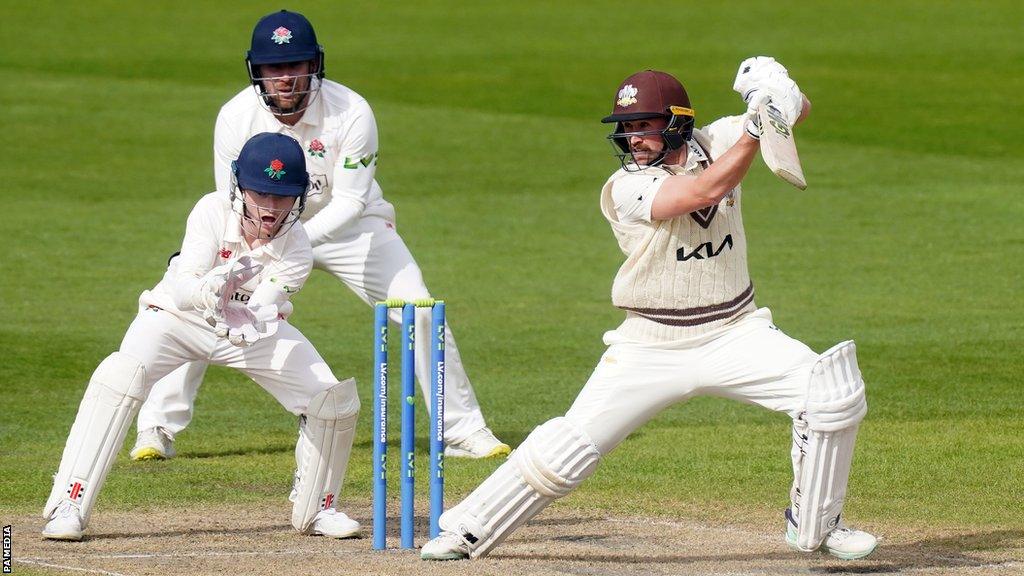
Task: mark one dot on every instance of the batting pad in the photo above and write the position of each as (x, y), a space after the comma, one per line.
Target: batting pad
(825, 435)
(325, 442)
(111, 401)
(553, 460)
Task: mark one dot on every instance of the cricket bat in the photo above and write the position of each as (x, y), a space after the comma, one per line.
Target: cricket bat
(778, 148)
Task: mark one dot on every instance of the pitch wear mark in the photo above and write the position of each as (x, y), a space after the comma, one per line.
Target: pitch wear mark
(683, 256)
(704, 216)
(281, 36)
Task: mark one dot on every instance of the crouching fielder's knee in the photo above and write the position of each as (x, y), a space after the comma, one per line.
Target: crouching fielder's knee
(553, 460)
(326, 431)
(825, 434)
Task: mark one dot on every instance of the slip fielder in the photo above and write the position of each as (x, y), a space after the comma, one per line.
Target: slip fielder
(691, 326)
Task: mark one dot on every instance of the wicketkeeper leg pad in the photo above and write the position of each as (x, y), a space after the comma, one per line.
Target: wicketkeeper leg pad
(553, 460)
(110, 403)
(326, 431)
(824, 436)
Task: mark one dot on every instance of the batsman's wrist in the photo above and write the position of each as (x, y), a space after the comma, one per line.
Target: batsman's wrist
(752, 127)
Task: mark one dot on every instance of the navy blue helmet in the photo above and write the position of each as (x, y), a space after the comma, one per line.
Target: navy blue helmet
(270, 163)
(279, 38)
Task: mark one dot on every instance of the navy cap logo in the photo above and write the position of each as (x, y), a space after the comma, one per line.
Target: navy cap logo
(276, 169)
(282, 35)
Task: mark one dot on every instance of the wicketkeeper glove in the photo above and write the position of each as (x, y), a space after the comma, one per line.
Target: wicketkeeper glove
(244, 326)
(220, 283)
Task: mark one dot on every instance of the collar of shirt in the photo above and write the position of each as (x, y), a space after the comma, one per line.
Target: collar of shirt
(694, 156)
(233, 235)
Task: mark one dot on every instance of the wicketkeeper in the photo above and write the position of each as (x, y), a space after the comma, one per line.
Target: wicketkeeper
(691, 325)
(224, 300)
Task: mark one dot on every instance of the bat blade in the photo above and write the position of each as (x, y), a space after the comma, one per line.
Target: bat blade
(778, 146)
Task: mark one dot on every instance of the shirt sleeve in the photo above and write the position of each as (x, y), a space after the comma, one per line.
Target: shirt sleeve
(226, 147)
(634, 195)
(203, 231)
(286, 276)
(723, 133)
(351, 178)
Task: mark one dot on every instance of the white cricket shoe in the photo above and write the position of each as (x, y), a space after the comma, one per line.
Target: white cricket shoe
(447, 546)
(844, 543)
(66, 523)
(334, 524)
(479, 444)
(153, 444)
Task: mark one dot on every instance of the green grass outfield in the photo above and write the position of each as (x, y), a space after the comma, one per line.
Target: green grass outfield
(908, 239)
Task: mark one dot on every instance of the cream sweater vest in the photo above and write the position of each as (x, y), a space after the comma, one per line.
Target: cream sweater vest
(683, 277)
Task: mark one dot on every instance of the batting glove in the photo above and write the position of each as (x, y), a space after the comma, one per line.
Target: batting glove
(754, 69)
(752, 124)
(785, 95)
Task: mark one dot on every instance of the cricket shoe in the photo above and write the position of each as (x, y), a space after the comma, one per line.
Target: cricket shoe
(447, 546)
(153, 444)
(66, 523)
(334, 524)
(479, 444)
(844, 543)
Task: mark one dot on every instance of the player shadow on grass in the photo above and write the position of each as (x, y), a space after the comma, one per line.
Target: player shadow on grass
(241, 451)
(423, 444)
(935, 552)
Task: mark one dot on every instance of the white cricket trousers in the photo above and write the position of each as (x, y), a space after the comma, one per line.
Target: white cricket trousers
(751, 361)
(286, 364)
(374, 262)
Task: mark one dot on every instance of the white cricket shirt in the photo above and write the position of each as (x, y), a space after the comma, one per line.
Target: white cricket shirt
(338, 133)
(213, 235)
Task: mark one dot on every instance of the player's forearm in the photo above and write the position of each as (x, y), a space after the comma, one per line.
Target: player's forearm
(683, 194)
(331, 222)
(186, 291)
(805, 109)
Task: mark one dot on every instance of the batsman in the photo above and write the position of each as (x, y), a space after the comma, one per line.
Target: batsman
(224, 299)
(691, 326)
